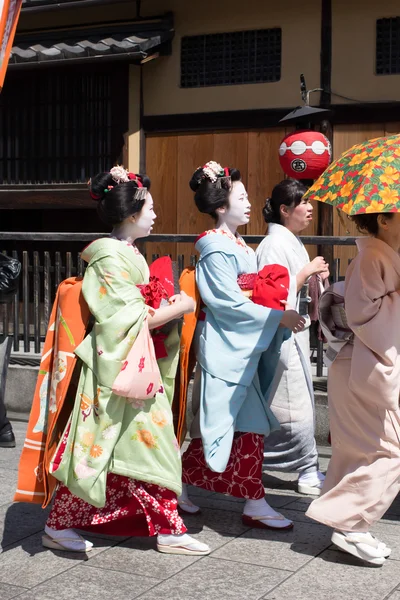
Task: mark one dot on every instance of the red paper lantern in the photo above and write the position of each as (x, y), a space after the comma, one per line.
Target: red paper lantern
(305, 154)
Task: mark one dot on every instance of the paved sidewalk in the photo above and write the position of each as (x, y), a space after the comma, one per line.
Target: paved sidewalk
(244, 564)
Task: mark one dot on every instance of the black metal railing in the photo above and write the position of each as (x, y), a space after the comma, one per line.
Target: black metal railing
(26, 318)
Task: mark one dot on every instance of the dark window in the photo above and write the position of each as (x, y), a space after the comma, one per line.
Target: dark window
(388, 46)
(61, 126)
(231, 58)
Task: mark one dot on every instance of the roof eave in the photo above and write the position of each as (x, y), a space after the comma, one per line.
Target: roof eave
(134, 57)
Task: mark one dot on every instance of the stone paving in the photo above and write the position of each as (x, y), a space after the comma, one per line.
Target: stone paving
(244, 564)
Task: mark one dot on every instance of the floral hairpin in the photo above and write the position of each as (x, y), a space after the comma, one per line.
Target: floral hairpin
(212, 170)
(217, 174)
(119, 174)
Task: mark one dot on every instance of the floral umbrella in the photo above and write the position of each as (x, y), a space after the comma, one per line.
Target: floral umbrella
(365, 179)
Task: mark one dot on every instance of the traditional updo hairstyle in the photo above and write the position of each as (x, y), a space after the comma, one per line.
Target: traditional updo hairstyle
(212, 185)
(288, 192)
(119, 194)
(368, 222)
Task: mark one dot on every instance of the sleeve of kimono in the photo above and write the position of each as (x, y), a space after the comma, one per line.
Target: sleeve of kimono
(272, 253)
(372, 310)
(109, 286)
(253, 325)
(373, 314)
(119, 311)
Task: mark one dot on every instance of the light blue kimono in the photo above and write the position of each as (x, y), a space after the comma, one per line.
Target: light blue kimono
(234, 337)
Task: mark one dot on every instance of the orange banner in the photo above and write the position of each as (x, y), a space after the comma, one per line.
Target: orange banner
(9, 14)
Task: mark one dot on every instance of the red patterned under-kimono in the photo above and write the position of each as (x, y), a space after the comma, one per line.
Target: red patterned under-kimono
(133, 508)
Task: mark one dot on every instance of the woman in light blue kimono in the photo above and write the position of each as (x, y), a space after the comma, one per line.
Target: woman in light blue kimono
(226, 452)
(292, 448)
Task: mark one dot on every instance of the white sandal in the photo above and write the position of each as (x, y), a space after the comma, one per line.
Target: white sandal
(189, 548)
(276, 521)
(362, 545)
(59, 543)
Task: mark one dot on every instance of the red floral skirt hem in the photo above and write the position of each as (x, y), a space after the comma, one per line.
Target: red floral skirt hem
(242, 477)
(133, 508)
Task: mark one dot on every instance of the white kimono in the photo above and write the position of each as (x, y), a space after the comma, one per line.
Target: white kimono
(293, 447)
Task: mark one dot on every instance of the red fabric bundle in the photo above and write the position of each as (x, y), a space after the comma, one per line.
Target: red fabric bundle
(160, 287)
(163, 271)
(153, 292)
(270, 287)
(161, 282)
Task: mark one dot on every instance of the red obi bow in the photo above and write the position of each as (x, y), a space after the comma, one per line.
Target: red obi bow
(159, 288)
(269, 287)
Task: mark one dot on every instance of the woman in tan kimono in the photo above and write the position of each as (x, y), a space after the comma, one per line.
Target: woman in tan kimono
(363, 477)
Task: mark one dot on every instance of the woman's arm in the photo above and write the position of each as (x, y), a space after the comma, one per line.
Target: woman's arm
(181, 304)
(217, 281)
(318, 266)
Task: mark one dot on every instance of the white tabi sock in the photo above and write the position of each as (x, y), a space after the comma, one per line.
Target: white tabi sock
(261, 508)
(315, 478)
(185, 503)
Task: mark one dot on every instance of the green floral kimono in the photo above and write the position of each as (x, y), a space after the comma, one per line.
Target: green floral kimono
(107, 433)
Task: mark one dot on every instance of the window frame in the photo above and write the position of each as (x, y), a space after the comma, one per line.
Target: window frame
(229, 36)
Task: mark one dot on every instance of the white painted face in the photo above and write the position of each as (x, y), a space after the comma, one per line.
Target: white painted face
(238, 211)
(144, 221)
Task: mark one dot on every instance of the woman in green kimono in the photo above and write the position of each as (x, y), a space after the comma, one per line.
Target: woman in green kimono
(119, 462)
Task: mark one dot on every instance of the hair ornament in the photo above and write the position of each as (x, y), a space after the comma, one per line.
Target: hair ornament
(140, 193)
(224, 182)
(119, 174)
(92, 195)
(217, 174)
(134, 177)
(268, 205)
(212, 170)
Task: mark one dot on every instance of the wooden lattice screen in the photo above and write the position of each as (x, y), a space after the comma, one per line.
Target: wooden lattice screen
(62, 125)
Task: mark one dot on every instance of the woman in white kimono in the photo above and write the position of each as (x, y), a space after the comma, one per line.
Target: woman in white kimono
(363, 477)
(293, 447)
(227, 450)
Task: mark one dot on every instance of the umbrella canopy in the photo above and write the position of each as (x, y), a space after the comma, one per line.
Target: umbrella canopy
(365, 179)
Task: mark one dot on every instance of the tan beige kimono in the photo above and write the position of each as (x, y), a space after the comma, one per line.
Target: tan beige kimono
(363, 388)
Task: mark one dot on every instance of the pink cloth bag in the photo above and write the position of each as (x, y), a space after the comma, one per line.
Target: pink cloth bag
(139, 377)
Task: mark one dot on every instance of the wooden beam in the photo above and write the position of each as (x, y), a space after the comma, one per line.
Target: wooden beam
(326, 51)
(240, 120)
(325, 213)
(31, 197)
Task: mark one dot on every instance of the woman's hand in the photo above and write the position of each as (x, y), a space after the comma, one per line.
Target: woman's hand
(318, 266)
(186, 303)
(179, 305)
(292, 320)
(324, 275)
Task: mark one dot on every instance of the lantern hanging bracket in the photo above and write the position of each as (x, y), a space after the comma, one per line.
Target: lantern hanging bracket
(305, 94)
(304, 116)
